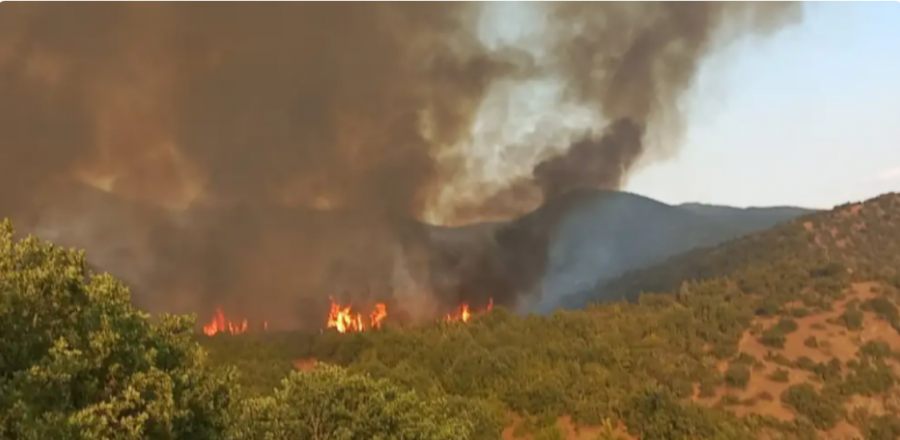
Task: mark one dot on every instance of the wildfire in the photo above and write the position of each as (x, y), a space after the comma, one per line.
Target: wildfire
(219, 324)
(344, 320)
(464, 313)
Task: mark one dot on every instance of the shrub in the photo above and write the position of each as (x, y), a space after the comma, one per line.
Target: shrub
(786, 325)
(883, 307)
(737, 376)
(876, 349)
(805, 363)
(773, 338)
(332, 403)
(800, 312)
(79, 362)
(822, 412)
(780, 375)
(852, 318)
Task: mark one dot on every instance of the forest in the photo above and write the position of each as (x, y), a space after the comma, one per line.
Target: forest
(792, 332)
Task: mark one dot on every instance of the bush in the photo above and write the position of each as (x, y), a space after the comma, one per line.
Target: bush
(744, 359)
(811, 342)
(773, 338)
(332, 403)
(869, 379)
(656, 414)
(852, 318)
(707, 389)
(822, 412)
(805, 363)
(780, 375)
(884, 308)
(786, 325)
(885, 427)
(779, 359)
(737, 376)
(876, 350)
(79, 362)
(800, 312)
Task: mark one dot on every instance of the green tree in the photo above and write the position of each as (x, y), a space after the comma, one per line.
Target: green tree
(331, 404)
(823, 411)
(737, 376)
(77, 361)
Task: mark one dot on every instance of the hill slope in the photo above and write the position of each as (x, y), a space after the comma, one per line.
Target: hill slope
(789, 333)
(584, 237)
(862, 236)
(603, 234)
(747, 220)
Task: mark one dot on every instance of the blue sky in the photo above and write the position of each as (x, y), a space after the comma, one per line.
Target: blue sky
(808, 117)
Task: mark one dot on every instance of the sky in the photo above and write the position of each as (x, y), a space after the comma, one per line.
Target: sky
(808, 117)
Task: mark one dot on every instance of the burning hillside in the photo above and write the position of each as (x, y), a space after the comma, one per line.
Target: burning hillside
(269, 154)
(220, 324)
(341, 318)
(345, 320)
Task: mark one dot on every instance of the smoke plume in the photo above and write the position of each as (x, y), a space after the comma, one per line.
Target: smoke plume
(268, 156)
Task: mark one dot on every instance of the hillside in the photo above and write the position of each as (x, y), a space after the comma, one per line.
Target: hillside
(603, 234)
(582, 238)
(793, 332)
(747, 220)
(849, 235)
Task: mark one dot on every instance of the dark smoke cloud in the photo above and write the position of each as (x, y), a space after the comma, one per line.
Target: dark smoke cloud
(629, 63)
(266, 156)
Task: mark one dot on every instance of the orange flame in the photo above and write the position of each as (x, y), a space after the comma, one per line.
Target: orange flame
(378, 315)
(344, 320)
(465, 314)
(218, 324)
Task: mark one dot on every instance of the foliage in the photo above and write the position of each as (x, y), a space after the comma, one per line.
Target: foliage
(852, 317)
(883, 308)
(884, 427)
(656, 414)
(780, 375)
(737, 376)
(77, 361)
(821, 410)
(332, 404)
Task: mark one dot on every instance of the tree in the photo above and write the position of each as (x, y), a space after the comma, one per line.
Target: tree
(331, 404)
(821, 410)
(737, 376)
(77, 361)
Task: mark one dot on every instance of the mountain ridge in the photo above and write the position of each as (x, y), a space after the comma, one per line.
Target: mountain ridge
(698, 263)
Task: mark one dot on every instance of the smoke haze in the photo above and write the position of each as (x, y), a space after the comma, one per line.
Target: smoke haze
(266, 156)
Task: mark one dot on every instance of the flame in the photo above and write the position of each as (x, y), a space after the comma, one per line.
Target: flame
(218, 324)
(341, 318)
(378, 315)
(465, 314)
(344, 320)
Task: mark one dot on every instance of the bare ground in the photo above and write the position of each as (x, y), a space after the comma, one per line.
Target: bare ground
(834, 341)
